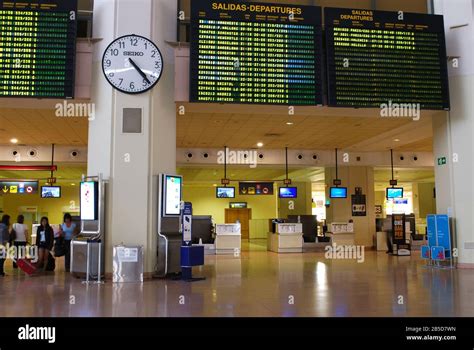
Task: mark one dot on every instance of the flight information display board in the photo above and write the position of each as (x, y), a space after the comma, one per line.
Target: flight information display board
(255, 53)
(37, 48)
(375, 58)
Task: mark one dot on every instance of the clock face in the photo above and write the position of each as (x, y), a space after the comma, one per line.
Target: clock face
(132, 64)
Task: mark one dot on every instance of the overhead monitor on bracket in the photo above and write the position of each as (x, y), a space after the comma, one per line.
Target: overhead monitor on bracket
(172, 188)
(394, 192)
(51, 192)
(288, 192)
(338, 192)
(89, 200)
(225, 192)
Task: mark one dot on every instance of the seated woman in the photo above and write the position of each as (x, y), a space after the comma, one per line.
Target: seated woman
(44, 241)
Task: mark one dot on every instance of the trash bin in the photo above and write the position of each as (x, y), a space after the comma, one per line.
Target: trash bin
(128, 264)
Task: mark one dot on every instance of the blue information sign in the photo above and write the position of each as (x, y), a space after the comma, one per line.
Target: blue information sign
(438, 253)
(443, 233)
(425, 252)
(431, 230)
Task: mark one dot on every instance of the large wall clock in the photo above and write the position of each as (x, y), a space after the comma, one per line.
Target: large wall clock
(132, 64)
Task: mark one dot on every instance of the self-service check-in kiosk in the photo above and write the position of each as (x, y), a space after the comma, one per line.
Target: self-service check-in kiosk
(87, 249)
(169, 236)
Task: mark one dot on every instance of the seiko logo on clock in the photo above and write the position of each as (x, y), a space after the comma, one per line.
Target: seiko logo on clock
(133, 53)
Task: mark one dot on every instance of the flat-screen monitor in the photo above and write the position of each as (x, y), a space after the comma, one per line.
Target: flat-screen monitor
(338, 192)
(50, 192)
(225, 192)
(172, 194)
(394, 192)
(288, 192)
(89, 200)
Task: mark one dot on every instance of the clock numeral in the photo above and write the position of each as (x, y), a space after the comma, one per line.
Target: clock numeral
(108, 63)
(133, 41)
(132, 85)
(153, 54)
(114, 52)
(157, 64)
(146, 46)
(145, 82)
(122, 44)
(111, 75)
(121, 81)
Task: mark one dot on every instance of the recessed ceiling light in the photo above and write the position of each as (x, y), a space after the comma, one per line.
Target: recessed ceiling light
(215, 185)
(73, 184)
(14, 140)
(260, 144)
(289, 123)
(397, 140)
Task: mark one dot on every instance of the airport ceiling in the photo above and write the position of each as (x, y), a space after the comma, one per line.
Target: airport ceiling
(322, 128)
(243, 127)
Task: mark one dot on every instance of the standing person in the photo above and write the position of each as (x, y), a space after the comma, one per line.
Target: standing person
(21, 237)
(44, 241)
(68, 230)
(4, 238)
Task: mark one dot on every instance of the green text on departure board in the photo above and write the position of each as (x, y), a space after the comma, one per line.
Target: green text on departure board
(37, 48)
(255, 53)
(377, 57)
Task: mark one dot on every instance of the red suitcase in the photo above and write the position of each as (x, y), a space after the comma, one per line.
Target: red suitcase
(26, 266)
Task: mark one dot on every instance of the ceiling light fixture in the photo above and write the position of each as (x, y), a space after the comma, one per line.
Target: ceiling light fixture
(397, 140)
(289, 123)
(260, 144)
(14, 140)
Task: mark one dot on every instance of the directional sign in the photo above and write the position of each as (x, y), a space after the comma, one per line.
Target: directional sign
(18, 186)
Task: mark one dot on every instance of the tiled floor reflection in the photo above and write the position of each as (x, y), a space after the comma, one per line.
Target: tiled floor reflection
(258, 283)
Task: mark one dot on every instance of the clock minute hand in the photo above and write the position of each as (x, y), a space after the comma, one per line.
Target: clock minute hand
(139, 71)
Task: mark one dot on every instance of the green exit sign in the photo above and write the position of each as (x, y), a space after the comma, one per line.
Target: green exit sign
(442, 161)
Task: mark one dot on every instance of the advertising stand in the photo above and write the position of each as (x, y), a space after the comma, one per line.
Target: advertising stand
(401, 246)
(439, 248)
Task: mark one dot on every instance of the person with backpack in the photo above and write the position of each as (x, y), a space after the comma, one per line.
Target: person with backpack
(20, 236)
(4, 239)
(45, 242)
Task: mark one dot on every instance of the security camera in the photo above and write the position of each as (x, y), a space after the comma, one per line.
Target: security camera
(74, 153)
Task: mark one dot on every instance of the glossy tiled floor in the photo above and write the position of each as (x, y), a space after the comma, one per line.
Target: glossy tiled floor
(256, 284)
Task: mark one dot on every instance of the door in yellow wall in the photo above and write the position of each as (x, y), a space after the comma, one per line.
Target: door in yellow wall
(243, 215)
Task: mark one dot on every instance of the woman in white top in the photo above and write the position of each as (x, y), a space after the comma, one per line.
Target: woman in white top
(21, 238)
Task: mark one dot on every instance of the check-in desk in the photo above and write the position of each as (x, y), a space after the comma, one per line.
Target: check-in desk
(342, 233)
(228, 239)
(287, 238)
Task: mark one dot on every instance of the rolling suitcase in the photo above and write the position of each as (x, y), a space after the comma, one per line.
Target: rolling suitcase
(26, 266)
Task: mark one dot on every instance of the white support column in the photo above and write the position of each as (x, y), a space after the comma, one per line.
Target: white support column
(130, 161)
(453, 133)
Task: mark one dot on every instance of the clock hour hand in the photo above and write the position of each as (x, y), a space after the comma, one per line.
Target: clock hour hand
(139, 71)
